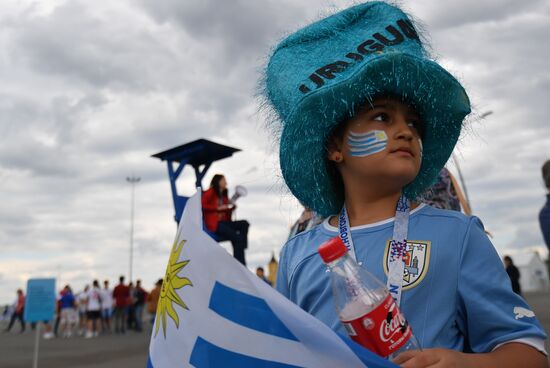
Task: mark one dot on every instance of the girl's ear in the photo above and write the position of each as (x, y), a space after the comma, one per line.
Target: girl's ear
(334, 151)
(335, 143)
(336, 156)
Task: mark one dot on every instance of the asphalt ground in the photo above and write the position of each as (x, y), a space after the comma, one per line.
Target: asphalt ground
(129, 350)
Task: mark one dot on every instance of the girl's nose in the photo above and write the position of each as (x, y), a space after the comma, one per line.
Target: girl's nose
(403, 130)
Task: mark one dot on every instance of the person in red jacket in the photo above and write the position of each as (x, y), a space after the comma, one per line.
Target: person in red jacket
(121, 294)
(217, 210)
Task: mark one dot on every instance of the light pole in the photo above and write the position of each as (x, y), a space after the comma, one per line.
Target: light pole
(132, 180)
(462, 182)
(485, 114)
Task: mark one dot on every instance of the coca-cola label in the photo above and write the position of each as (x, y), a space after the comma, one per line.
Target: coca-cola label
(383, 330)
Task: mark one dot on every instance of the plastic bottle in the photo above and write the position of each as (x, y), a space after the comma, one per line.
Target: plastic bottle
(365, 307)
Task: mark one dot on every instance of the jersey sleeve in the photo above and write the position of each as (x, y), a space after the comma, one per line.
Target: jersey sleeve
(489, 312)
(281, 283)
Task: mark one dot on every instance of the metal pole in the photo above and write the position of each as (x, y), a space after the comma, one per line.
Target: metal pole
(132, 180)
(462, 183)
(36, 342)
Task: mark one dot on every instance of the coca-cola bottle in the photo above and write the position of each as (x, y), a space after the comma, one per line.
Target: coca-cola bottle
(365, 307)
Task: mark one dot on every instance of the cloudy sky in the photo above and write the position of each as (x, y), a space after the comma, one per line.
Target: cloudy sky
(90, 90)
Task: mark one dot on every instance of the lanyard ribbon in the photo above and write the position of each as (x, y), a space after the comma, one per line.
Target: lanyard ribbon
(398, 245)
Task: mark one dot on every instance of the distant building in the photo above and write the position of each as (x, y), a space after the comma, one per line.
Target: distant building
(272, 268)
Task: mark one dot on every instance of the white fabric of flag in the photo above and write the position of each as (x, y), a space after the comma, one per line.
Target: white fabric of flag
(214, 312)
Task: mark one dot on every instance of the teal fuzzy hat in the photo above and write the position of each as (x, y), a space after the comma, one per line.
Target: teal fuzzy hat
(317, 77)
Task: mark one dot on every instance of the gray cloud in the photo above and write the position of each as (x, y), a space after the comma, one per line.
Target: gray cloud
(457, 14)
(79, 43)
(231, 30)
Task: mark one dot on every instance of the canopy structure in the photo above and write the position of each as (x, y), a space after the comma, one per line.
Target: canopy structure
(199, 154)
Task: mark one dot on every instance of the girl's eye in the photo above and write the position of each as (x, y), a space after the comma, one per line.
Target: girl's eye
(416, 125)
(381, 117)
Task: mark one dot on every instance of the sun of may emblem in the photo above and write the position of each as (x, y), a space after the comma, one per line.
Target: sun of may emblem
(168, 294)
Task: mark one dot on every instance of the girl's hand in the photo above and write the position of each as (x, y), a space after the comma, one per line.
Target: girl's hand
(433, 358)
(226, 207)
(509, 355)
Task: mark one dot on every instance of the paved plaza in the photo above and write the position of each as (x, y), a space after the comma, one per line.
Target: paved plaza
(109, 351)
(130, 350)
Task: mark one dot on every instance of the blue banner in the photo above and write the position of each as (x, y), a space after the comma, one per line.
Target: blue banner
(40, 300)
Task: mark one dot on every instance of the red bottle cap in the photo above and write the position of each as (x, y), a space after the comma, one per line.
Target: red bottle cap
(332, 249)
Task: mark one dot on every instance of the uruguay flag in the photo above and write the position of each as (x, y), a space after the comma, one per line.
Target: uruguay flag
(214, 313)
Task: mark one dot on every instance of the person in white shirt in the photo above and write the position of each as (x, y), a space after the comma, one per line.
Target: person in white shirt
(81, 303)
(106, 307)
(93, 310)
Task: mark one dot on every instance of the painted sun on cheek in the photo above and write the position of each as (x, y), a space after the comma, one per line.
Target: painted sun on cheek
(366, 144)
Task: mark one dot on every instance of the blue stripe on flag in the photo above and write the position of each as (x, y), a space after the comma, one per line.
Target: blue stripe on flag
(208, 355)
(366, 356)
(247, 310)
(149, 363)
(361, 135)
(374, 149)
(361, 141)
(355, 149)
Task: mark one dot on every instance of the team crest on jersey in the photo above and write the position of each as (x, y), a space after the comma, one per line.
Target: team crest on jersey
(417, 261)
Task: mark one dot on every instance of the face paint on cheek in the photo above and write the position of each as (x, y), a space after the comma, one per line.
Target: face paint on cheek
(366, 144)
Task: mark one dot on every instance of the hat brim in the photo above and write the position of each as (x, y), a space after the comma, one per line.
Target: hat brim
(436, 95)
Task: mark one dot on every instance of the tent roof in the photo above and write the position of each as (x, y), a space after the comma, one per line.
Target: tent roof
(196, 153)
(524, 258)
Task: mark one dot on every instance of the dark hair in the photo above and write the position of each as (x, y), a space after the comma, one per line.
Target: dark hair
(121, 279)
(508, 259)
(336, 135)
(215, 183)
(159, 282)
(96, 283)
(546, 174)
(260, 269)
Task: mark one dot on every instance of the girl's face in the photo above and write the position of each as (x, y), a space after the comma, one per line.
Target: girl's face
(223, 184)
(382, 141)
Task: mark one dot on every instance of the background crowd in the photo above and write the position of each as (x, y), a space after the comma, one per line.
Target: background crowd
(96, 310)
(93, 311)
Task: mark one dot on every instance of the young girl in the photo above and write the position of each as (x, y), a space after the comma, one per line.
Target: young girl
(368, 121)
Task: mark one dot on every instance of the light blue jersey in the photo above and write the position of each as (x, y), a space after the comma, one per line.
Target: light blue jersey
(456, 293)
